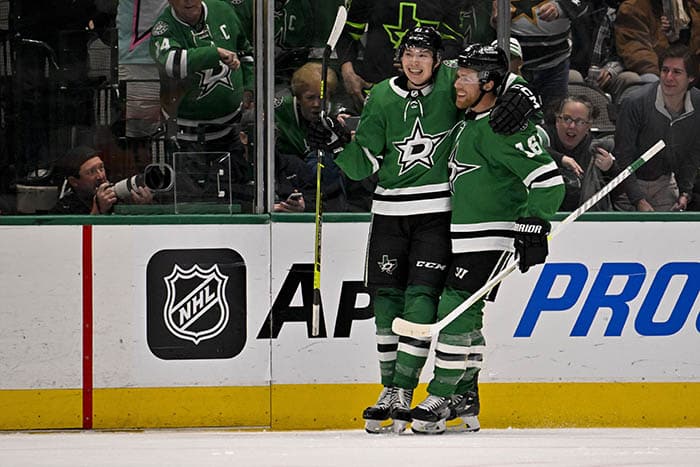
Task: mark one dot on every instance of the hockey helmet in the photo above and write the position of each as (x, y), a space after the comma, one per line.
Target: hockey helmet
(490, 62)
(425, 37)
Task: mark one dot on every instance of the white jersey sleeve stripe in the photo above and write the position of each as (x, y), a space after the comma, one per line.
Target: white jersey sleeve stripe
(183, 64)
(551, 167)
(554, 181)
(373, 160)
(169, 63)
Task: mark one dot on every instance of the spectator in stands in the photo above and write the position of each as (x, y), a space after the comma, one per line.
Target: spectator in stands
(301, 29)
(293, 115)
(475, 22)
(291, 173)
(586, 164)
(665, 110)
(383, 24)
(294, 34)
(516, 56)
(642, 33)
(86, 189)
(543, 30)
(206, 67)
(612, 77)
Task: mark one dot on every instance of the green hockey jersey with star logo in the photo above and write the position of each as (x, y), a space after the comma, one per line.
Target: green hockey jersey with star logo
(195, 83)
(496, 179)
(401, 137)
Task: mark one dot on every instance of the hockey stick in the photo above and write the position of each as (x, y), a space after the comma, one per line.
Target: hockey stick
(407, 328)
(338, 26)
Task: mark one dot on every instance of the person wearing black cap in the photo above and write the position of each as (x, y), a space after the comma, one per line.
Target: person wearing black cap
(86, 189)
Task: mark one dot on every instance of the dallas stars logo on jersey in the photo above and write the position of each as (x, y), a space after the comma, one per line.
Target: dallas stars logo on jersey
(209, 79)
(457, 168)
(418, 148)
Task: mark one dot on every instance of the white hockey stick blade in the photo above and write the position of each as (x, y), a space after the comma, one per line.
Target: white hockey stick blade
(315, 319)
(407, 328)
(338, 26)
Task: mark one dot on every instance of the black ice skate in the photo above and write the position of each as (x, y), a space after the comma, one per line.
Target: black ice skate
(377, 416)
(464, 407)
(430, 416)
(401, 410)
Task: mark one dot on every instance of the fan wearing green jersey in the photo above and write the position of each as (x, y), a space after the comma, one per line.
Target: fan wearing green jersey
(504, 189)
(293, 116)
(206, 67)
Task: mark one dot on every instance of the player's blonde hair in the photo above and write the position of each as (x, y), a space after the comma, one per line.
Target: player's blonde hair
(308, 76)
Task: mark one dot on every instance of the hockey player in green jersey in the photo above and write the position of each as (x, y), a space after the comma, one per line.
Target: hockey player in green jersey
(206, 67)
(504, 190)
(401, 138)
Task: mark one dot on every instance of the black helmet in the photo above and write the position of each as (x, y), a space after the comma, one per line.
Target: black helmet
(489, 61)
(425, 37)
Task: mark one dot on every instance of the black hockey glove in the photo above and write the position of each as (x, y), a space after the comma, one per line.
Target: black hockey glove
(531, 241)
(327, 134)
(514, 109)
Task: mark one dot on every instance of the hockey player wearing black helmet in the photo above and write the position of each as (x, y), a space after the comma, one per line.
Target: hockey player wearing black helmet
(504, 188)
(419, 57)
(402, 138)
(517, 104)
(490, 64)
(422, 37)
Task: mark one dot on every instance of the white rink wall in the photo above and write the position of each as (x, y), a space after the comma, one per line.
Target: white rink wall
(617, 302)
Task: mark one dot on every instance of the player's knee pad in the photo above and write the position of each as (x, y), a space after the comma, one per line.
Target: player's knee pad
(470, 320)
(421, 304)
(388, 304)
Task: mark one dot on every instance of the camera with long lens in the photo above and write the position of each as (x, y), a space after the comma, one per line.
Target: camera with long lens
(155, 177)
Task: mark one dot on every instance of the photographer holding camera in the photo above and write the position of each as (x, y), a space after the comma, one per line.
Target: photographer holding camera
(86, 189)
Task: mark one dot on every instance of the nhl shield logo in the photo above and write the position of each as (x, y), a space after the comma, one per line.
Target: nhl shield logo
(196, 308)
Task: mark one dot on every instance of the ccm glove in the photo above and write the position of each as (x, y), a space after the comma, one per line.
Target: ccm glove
(531, 241)
(514, 109)
(327, 134)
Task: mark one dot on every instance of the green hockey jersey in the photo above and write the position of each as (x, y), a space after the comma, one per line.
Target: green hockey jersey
(289, 133)
(401, 137)
(195, 84)
(496, 179)
(290, 127)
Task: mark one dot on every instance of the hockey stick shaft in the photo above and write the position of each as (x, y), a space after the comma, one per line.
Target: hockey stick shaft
(338, 25)
(407, 328)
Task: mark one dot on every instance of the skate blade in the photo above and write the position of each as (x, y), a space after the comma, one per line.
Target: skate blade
(378, 427)
(400, 426)
(465, 424)
(428, 428)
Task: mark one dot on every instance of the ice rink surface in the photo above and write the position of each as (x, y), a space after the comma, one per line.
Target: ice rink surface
(204, 448)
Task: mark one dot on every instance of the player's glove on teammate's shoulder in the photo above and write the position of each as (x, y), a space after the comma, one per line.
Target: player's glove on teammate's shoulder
(327, 134)
(514, 109)
(531, 241)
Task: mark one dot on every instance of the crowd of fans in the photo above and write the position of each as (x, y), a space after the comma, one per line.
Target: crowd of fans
(640, 55)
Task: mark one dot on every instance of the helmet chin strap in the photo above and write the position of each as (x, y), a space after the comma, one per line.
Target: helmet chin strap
(481, 95)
